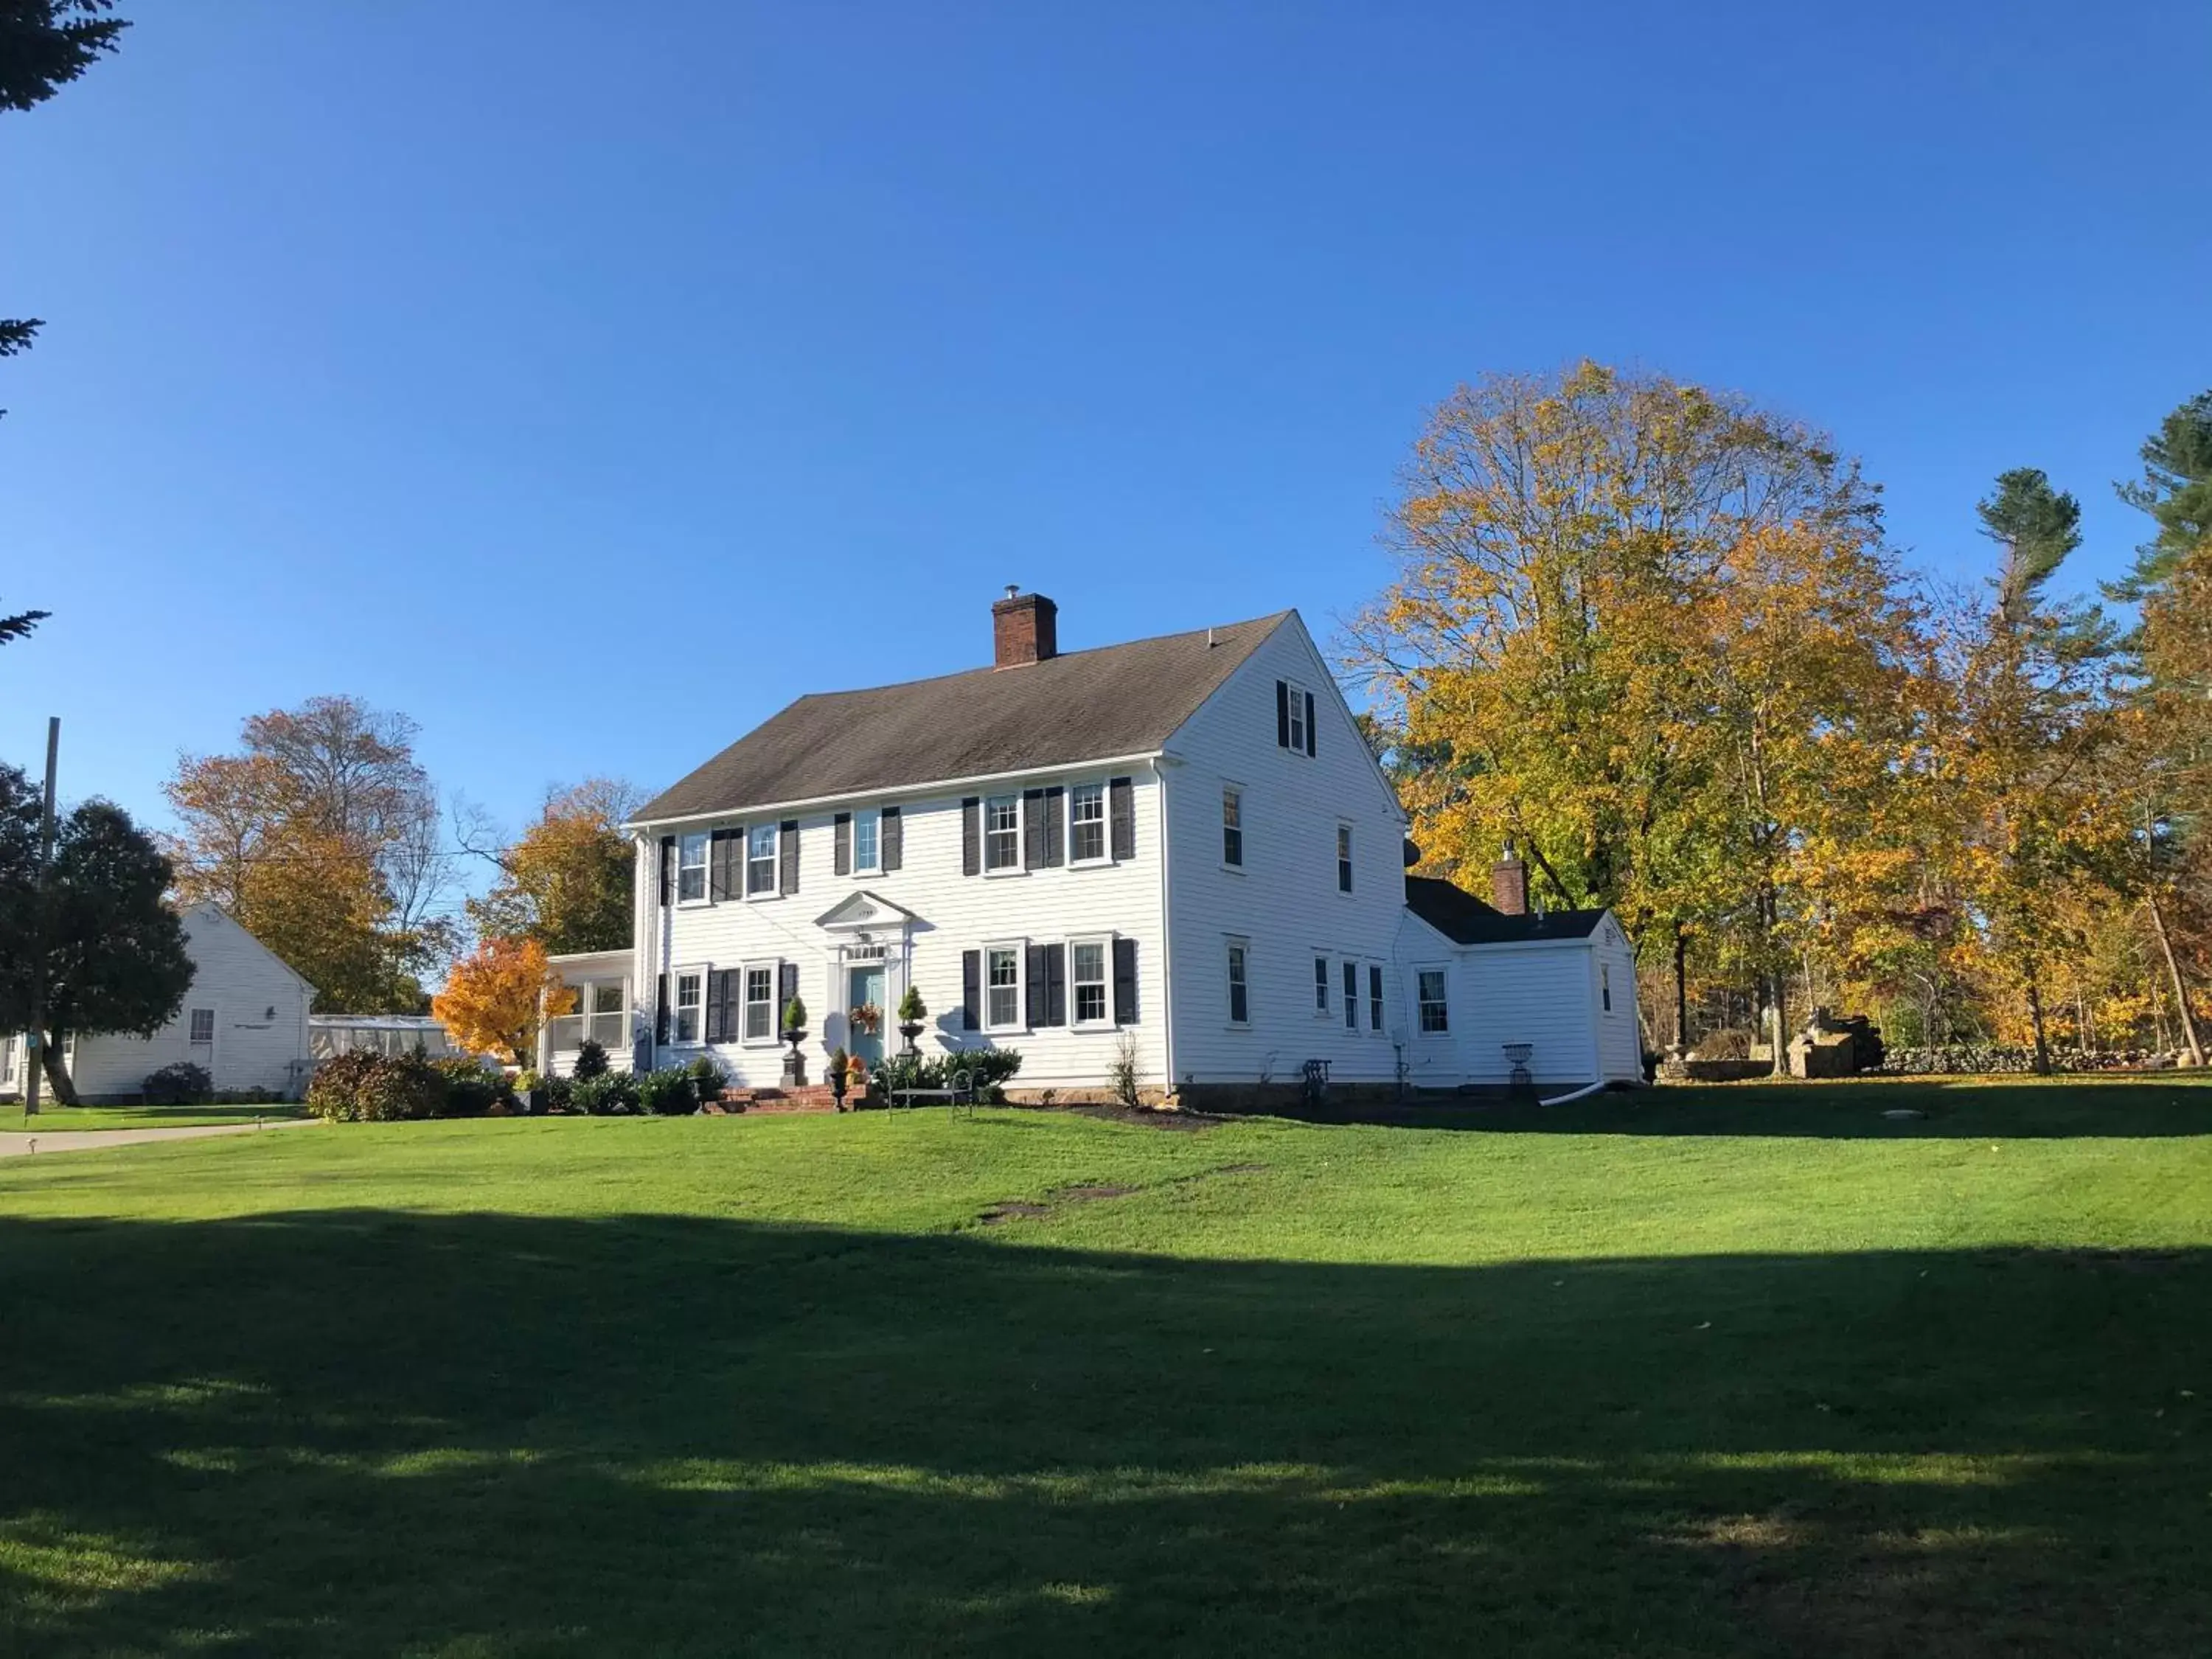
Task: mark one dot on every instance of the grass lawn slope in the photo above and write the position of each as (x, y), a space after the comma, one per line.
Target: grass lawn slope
(1730, 1370)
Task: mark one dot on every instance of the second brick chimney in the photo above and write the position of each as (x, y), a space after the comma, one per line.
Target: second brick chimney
(1024, 629)
(1508, 882)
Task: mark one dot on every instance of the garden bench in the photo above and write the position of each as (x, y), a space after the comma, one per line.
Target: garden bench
(962, 1093)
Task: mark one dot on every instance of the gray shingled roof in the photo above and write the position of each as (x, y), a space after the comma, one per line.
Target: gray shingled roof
(1460, 916)
(1082, 705)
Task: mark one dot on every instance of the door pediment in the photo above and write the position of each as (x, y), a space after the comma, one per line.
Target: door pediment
(865, 912)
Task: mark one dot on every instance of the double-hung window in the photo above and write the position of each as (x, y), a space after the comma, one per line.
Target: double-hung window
(1002, 988)
(1086, 823)
(760, 1002)
(607, 1022)
(760, 860)
(1343, 857)
(690, 1003)
(1086, 965)
(203, 1026)
(1350, 996)
(1240, 993)
(1374, 996)
(1436, 1018)
(1232, 826)
(1002, 833)
(1605, 984)
(691, 867)
(1320, 986)
(1297, 702)
(867, 843)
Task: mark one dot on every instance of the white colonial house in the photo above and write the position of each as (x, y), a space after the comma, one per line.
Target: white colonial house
(244, 1022)
(1182, 843)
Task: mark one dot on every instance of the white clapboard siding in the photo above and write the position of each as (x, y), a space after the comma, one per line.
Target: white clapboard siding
(954, 912)
(260, 1009)
(1537, 993)
(1284, 900)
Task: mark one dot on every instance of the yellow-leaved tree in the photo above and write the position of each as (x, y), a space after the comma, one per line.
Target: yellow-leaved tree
(495, 997)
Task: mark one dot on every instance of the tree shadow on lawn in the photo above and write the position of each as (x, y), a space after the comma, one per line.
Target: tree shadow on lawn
(371, 1433)
(1954, 1108)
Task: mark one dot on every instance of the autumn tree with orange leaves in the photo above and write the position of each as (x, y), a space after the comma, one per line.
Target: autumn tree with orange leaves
(497, 996)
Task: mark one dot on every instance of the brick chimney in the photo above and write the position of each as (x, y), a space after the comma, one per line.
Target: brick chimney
(1024, 629)
(1508, 882)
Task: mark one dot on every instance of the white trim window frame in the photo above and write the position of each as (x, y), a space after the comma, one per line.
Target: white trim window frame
(868, 842)
(201, 1016)
(1002, 833)
(1439, 1004)
(1004, 998)
(1086, 824)
(760, 977)
(757, 835)
(1237, 970)
(1344, 858)
(1232, 826)
(692, 886)
(1095, 986)
(1323, 992)
(687, 1021)
(1297, 713)
(597, 1005)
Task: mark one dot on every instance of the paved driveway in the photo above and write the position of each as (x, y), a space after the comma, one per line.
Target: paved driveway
(42, 1141)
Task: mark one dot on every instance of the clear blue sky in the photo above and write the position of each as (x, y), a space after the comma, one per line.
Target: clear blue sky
(588, 381)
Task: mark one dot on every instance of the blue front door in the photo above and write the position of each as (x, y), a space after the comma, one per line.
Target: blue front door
(866, 985)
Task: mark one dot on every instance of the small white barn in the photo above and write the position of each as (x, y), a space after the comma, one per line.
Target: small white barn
(244, 1021)
(1561, 984)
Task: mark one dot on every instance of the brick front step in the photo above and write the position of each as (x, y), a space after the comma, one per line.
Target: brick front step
(816, 1098)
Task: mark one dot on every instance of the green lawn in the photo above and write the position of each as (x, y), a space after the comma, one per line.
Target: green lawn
(1731, 1370)
(51, 1117)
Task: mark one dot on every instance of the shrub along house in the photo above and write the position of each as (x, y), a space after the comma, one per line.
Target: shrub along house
(1182, 846)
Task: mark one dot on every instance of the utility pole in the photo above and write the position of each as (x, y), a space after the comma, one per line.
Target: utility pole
(35, 1040)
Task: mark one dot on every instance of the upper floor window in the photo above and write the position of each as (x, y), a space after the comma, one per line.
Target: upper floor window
(1002, 833)
(1232, 826)
(1294, 717)
(1605, 984)
(1240, 995)
(1086, 822)
(691, 867)
(1321, 985)
(1435, 1016)
(760, 859)
(867, 842)
(203, 1026)
(1343, 857)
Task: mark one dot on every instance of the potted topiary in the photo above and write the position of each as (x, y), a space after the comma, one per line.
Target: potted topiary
(911, 1011)
(795, 1033)
(839, 1060)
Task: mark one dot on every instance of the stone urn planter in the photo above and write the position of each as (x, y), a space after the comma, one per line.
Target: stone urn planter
(794, 1065)
(910, 1029)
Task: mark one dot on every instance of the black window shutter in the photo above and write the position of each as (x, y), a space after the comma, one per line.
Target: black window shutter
(786, 844)
(718, 866)
(1055, 985)
(841, 843)
(1282, 714)
(971, 989)
(1055, 826)
(971, 835)
(660, 1008)
(1125, 981)
(734, 991)
(1033, 985)
(786, 987)
(1032, 829)
(1122, 817)
(715, 1031)
(667, 871)
(893, 839)
(1309, 724)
